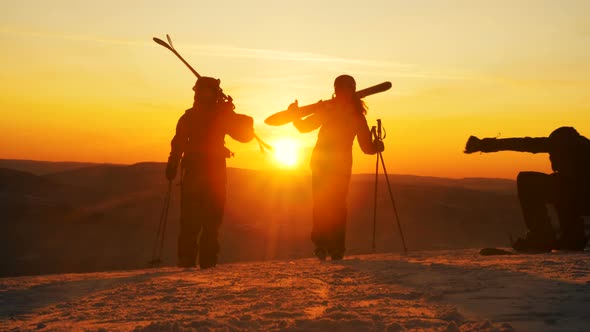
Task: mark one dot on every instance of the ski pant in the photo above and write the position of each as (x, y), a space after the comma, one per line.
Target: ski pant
(201, 213)
(570, 197)
(329, 210)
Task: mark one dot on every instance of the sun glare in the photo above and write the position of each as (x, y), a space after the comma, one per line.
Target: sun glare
(286, 152)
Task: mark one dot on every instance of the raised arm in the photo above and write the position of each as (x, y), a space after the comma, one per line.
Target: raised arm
(308, 124)
(520, 144)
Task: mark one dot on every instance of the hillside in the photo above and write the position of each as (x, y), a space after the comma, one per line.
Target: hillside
(42, 167)
(104, 217)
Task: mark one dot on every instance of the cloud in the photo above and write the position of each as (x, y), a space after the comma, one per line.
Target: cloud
(292, 56)
(228, 51)
(74, 37)
(377, 68)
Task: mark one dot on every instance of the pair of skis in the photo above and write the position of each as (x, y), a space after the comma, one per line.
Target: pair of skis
(287, 116)
(283, 117)
(227, 98)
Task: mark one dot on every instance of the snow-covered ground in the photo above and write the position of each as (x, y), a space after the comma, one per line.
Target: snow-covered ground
(437, 290)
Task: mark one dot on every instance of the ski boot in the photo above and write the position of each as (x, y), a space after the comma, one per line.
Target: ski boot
(320, 253)
(337, 255)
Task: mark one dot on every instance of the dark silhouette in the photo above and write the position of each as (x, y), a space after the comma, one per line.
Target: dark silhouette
(331, 162)
(199, 142)
(567, 188)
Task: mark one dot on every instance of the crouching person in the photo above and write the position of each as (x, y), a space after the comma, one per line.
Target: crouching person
(567, 188)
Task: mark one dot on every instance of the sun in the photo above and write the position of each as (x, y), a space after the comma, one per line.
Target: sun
(286, 152)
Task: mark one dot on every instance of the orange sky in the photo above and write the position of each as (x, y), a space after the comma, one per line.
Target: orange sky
(84, 81)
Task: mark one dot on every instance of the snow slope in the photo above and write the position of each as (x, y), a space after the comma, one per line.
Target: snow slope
(437, 290)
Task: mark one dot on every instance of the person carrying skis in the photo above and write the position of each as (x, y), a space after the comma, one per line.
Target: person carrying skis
(200, 144)
(339, 122)
(567, 188)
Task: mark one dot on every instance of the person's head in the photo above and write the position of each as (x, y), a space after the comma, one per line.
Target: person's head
(564, 134)
(206, 90)
(565, 140)
(344, 87)
(345, 91)
(565, 147)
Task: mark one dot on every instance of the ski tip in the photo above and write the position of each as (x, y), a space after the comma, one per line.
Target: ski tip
(381, 87)
(169, 40)
(160, 41)
(281, 118)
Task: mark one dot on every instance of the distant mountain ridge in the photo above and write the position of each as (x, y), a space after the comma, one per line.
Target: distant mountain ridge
(101, 216)
(42, 167)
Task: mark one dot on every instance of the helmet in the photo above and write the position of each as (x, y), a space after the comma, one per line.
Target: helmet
(345, 81)
(207, 82)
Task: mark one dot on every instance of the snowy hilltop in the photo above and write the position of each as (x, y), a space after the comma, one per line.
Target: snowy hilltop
(431, 290)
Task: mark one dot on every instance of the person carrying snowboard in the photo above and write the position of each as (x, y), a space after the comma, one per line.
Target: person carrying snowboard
(567, 188)
(339, 122)
(200, 144)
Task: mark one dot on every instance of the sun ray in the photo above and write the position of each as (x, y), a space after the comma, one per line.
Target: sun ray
(287, 152)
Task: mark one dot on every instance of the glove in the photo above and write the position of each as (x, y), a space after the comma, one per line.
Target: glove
(473, 145)
(378, 145)
(171, 168)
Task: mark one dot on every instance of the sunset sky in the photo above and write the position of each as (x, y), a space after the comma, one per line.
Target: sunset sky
(83, 81)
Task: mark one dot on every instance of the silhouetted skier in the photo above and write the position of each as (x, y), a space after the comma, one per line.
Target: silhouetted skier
(331, 162)
(199, 141)
(568, 188)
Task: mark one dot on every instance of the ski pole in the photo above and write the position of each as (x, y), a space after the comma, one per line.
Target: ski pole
(375, 195)
(161, 233)
(379, 135)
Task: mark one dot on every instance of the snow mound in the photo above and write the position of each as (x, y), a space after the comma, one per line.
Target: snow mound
(438, 290)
